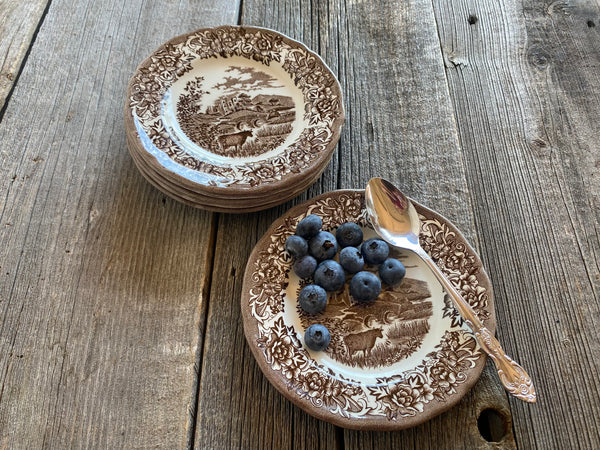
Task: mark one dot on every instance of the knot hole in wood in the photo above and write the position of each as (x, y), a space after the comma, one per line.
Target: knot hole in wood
(492, 425)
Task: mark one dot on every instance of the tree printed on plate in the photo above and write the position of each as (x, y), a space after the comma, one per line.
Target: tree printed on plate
(244, 115)
(379, 333)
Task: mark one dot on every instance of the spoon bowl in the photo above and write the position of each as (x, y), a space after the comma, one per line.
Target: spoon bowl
(400, 221)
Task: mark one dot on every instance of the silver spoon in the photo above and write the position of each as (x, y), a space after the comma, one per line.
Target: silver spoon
(395, 219)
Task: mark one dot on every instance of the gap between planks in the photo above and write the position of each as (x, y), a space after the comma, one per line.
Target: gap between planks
(19, 65)
(202, 325)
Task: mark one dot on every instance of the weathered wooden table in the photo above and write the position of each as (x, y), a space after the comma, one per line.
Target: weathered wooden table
(119, 308)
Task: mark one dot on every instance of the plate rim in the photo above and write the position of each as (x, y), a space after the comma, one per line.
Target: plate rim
(319, 164)
(378, 423)
(196, 200)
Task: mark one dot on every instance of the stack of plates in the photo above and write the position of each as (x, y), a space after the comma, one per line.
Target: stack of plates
(233, 119)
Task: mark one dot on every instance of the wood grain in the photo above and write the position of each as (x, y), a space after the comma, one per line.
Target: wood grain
(103, 279)
(119, 308)
(18, 23)
(399, 125)
(525, 88)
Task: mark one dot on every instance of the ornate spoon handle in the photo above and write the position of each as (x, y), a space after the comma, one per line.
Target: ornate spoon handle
(512, 375)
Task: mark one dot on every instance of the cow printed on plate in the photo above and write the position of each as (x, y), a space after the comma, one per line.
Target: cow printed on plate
(378, 333)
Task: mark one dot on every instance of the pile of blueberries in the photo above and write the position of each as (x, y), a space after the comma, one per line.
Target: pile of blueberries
(314, 251)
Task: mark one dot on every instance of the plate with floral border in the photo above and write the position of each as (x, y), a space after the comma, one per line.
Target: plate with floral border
(235, 111)
(392, 364)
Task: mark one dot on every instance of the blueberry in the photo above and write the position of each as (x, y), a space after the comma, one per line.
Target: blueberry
(392, 271)
(330, 275)
(305, 267)
(323, 246)
(309, 226)
(317, 337)
(296, 246)
(375, 251)
(312, 299)
(349, 235)
(351, 259)
(365, 287)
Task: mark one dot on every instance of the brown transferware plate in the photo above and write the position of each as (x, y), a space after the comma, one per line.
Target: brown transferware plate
(235, 112)
(392, 364)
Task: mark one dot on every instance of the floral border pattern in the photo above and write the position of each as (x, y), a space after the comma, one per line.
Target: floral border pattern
(403, 395)
(316, 82)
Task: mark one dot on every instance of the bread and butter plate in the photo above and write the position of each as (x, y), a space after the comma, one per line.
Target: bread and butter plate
(391, 364)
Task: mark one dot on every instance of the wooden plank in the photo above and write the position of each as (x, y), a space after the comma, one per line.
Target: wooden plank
(402, 128)
(237, 406)
(103, 280)
(524, 83)
(18, 22)
(399, 125)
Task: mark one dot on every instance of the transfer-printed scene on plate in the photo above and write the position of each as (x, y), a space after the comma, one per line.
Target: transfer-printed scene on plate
(381, 332)
(246, 113)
